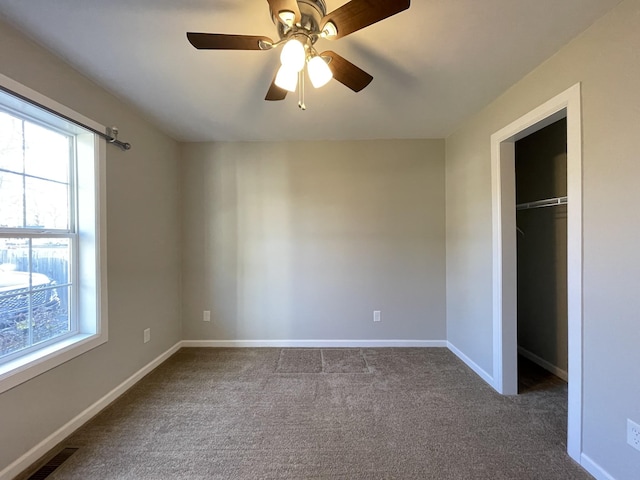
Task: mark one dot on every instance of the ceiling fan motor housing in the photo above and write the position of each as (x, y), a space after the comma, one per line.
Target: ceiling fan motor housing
(311, 12)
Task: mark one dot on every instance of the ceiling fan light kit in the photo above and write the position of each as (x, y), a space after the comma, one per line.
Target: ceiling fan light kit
(293, 55)
(287, 17)
(319, 72)
(300, 24)
(287, 78)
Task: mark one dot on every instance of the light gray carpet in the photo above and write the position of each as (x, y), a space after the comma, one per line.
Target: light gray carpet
(323, 414)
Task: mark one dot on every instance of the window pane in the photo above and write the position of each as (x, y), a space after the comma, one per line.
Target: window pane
(46, 153)
(50, 319)
(14, 295)
(10, 143)
(50, 265)
(14, 257)
(14, 323)
(33, 288)
(47, 204)
(50, 260)
(11, 200)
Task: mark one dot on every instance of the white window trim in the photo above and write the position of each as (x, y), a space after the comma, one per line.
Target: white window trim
(92, 253)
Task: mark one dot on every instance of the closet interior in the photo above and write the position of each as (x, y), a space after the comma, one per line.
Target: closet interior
(541, 218)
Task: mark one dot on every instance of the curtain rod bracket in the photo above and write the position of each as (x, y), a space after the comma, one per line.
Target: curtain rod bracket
(112, 137)
(112, 134)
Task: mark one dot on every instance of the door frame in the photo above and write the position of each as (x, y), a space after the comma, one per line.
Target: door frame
(505, 355)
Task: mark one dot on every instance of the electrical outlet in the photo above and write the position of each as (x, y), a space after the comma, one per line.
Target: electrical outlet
(633, 434)
(147, 335)
(376, 315)
(206, 316)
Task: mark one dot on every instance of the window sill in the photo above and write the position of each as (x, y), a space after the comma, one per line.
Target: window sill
(25, 368)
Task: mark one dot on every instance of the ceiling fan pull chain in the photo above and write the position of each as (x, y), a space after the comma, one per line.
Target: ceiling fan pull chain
(301, 90)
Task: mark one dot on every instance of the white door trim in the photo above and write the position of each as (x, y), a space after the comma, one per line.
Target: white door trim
(505, 375)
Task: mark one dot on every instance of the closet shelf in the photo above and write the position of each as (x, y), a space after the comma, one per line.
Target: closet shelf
(549, 202)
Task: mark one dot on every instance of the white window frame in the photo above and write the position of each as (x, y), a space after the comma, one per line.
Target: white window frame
(91, 269)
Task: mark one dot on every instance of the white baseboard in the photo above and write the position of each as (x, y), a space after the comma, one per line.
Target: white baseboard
(594, 469)
(471, 364)
(313, 343)
(42, 448)
(558, 372)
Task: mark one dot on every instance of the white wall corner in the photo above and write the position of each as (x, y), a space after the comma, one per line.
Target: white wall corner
(472, 365)
(594, 469)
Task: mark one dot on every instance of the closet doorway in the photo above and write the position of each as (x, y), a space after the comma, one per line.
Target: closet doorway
(566, 105)
(541, 219)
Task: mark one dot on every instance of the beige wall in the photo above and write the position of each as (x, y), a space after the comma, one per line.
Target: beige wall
(302, 241)
(143, 235)
(605, 59)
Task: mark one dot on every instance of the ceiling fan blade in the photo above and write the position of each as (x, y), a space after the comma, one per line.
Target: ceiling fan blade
(346, 72)
(278, 6)
(221, 41)
(275, 93)
(357, 14)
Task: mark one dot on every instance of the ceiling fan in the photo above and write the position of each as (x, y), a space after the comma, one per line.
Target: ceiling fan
(300, 23)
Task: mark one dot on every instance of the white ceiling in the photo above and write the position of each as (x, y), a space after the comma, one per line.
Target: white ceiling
(433, 65)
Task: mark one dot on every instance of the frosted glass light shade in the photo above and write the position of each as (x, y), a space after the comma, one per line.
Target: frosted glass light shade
(293, 55)
(287, 78)
(319, 72)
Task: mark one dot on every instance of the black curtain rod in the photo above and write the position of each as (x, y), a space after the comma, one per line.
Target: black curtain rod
(110, 136)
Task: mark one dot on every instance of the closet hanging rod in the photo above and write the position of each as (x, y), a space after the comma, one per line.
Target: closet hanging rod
(549, 202)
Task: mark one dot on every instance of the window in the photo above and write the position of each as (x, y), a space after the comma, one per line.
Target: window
(37, 221)
(52, 282)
